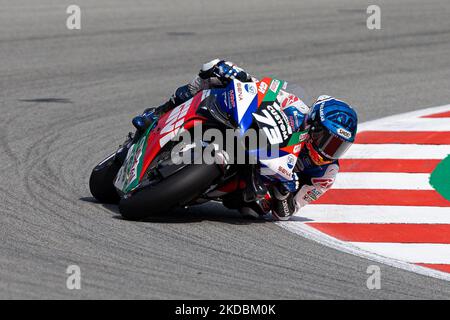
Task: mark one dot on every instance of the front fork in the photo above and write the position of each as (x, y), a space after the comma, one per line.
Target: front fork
(122, 152)
(255, 188)
(253, 194)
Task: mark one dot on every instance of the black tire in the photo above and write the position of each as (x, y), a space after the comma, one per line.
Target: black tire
(101, 182)
(178, 189)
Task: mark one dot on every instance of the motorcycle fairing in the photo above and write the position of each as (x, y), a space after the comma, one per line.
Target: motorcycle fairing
(238, 99)
(275, 124)
(141, 154)
(182, 117)
(242, 99)
(129, 174)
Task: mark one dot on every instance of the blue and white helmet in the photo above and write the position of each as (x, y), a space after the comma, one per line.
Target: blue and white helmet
(333, 127)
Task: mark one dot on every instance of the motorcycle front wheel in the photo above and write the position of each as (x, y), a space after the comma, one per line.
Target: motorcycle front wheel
(176, 190)
(101, 181)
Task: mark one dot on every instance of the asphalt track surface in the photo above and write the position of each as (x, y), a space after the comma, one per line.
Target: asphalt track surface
(67, 98)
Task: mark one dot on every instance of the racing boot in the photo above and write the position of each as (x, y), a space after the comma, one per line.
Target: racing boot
(283, 203)
(252, 209)
(143, 121)
(255, 209)
(150, 115)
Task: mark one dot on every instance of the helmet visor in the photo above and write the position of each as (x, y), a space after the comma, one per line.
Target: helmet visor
(330, 145)
(316, 156)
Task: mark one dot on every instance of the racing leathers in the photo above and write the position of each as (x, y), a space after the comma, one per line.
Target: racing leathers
(309, 180)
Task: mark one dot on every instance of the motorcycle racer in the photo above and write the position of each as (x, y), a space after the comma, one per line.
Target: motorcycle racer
(331, 125)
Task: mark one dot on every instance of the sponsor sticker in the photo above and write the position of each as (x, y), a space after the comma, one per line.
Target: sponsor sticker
(344, 133)
(312, 195)
(323, 182)
(274, 85)
(291, 161)
(128, 173)
(289, 101)
(281, 119)
(322, 115)
(134, 167)
(262, 88)
(250, 88)
(284, 172)
(239, 91)
(297, 148)
(225, 99)
(231, 98)
(303, 136)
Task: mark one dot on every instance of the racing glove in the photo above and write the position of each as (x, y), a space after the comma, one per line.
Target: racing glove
(224, 71)
(214, 73)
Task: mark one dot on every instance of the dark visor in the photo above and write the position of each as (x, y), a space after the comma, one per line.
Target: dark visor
(329, 145)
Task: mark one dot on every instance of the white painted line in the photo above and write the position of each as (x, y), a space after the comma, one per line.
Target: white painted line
(397, 151)
(399, 256)
(372, 214)
(382, 180)
(418, 124)
(373, 124)
(313, 234)
(410, 252)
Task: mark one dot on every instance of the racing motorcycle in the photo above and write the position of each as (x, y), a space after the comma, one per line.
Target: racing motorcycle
(143, 178)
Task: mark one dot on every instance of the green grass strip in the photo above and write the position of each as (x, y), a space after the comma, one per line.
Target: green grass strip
(440, 178)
